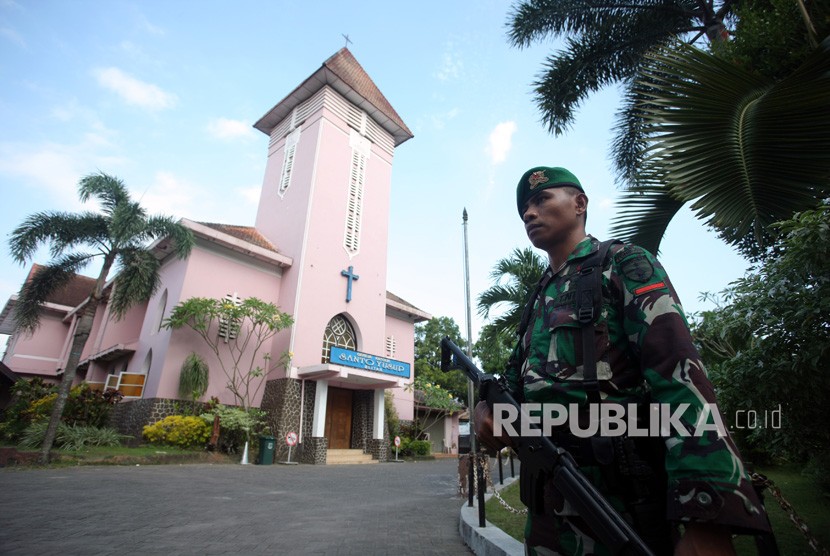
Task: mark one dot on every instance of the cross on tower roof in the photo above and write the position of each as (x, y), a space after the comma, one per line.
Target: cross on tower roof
(348, 40)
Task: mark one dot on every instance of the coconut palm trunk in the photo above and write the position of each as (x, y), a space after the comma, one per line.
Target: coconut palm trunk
(79, 339)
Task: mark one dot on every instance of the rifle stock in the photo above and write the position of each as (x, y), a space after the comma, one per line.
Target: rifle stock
(542, 460)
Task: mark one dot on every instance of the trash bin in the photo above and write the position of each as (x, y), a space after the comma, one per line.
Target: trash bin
(266, 450)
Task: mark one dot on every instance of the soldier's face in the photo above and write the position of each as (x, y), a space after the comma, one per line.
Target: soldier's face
(552, 215)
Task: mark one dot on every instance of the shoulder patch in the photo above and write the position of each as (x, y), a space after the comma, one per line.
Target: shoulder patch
(637, 268)
(650, 288)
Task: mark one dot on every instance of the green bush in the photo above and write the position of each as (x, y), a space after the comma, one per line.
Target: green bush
(237, 427)
(421, 447)
(176, 430)
(17, 417)
(70, 437)
(411, 447)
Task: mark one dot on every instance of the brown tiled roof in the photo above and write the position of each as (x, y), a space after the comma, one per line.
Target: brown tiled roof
(344, 74)
(346, 67)
(72, 294)
(245, 233)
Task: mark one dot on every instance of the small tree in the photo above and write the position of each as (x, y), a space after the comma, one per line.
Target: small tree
(237, 335)
(194, 377)
(434, 403)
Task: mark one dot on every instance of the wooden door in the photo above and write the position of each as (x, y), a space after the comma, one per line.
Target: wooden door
(339, 418)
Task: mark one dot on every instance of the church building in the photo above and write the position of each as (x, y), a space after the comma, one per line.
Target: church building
(318, 250)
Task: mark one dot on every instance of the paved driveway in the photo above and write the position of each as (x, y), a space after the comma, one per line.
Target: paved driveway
(407, 508)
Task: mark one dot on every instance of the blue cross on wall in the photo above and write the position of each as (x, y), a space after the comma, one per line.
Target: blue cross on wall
(350, 277)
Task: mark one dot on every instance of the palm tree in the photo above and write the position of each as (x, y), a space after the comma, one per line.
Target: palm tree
(740, 132)
(606, 43)
(744, 149)
(119, 234)
(515, 278)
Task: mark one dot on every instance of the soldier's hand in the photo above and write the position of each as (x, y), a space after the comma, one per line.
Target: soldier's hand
(483, 418)
(704, 539)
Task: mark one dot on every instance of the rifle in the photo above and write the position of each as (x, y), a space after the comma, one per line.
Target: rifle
(543, 460)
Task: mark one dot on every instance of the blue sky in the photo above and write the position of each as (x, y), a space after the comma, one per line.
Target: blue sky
(164, 94)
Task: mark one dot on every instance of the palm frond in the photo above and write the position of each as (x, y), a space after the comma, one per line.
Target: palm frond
(744, 151)
(644, 217)
(45, 282)
(164, 226)
(137, 279)
(109, 190)
(60, 230)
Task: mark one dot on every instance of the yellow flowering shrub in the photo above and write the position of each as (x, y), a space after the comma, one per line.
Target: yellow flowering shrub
(177, 430)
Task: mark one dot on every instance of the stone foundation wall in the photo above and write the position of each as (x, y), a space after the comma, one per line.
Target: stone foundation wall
(314, 450)
(362, 411)
(281, 402)
(130, 416)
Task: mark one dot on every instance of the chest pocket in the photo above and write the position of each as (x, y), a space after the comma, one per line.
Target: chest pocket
(566, 352)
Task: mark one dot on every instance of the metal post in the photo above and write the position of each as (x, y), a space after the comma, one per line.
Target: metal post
(512, 473)
(501, 474)
(470, 392)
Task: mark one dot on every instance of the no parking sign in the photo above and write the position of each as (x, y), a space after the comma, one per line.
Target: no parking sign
(291, 439)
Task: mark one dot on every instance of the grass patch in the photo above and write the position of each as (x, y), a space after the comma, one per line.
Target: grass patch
(120, 455)
(797, 489)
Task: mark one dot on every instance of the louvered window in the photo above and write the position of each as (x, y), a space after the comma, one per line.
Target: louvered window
(339, 332)
(390, 346)
(354, 210)
(288, 161)
(228, 329)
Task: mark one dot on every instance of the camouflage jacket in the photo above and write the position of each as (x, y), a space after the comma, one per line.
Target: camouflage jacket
(644, 352)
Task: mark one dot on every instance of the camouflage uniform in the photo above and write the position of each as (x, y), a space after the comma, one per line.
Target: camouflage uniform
(644, 353)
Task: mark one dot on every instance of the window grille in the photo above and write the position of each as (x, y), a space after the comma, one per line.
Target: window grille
(339, 332)
(288, 161)
(361, 149)
(229, 330)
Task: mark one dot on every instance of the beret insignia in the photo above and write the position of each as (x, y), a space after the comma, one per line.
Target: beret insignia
(537, 178)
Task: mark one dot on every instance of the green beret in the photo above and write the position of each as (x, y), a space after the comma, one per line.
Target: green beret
(543, 177)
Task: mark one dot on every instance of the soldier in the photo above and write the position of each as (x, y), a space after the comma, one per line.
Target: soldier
(643, 354)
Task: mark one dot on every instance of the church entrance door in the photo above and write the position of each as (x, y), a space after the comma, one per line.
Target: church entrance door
(339, 418)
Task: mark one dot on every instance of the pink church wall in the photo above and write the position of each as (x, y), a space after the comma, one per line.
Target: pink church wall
(41, 353)
(122, 331)
(404, 334)
(209, 272)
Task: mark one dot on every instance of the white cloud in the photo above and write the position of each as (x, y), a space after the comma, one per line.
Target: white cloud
(500, 142)
(170, 195)
(57, 168)
(134, 91)
(250, 194)
(145, 24)
(439, 121)
(227, 129)
(13, 36)
(606, 203)
(451, 65)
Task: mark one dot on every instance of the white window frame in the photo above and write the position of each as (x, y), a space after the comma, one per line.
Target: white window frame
(290, 149)
(361, 150)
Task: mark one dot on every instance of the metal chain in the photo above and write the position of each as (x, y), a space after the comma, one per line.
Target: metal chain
(502, 501)
(797, 520)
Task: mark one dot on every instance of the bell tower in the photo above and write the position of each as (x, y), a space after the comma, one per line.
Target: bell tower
(325, 203)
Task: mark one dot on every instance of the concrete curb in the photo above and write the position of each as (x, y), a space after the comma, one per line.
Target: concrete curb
(488, 540)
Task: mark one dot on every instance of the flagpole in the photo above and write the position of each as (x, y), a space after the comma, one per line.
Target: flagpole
(470, 392)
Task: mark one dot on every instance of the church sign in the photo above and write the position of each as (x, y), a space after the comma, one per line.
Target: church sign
(358, 360)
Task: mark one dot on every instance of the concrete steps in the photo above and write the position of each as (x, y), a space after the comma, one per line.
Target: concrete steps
(340, 457)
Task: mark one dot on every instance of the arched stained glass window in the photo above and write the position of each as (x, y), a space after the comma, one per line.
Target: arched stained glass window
(339, 332)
